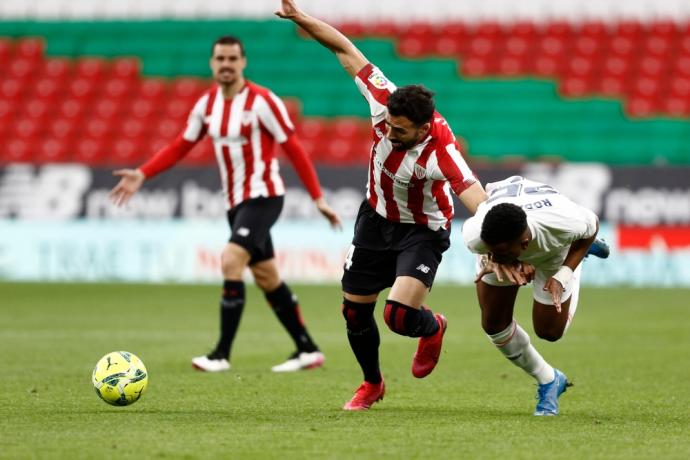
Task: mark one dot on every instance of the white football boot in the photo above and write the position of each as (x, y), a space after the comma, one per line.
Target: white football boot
(204, 363)
(301, 361)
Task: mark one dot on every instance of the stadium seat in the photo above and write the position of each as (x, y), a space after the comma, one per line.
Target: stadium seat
(90, 151)
(18, 151)
(52, 151)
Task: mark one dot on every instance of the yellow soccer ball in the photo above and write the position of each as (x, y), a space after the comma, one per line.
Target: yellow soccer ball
(120, 378)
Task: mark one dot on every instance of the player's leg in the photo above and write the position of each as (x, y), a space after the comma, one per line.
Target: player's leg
(234, 259)
(497, 302)
(405, 313)
(548, 323)
(285, 306)
(366, 273)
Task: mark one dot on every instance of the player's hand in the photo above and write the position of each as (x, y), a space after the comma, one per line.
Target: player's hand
(555, 288)
(289, 10)
(131, 182)
(328, 213)
(518, 273)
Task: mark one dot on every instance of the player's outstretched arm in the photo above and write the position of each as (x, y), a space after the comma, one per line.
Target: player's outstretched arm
(347, 53)
(558, 282)
(472, 197)
(130, 182)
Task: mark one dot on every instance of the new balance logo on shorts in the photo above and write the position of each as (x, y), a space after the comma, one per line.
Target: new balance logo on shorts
(243, 231)
(423, 268)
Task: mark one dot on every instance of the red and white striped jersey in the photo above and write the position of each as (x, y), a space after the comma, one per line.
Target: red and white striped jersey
(412, 186)
(244, 131)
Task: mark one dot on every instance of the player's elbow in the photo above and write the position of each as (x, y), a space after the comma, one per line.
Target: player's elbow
(550, 334)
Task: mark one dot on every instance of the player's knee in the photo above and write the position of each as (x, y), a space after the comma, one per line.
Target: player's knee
(550, 334)
(232, 264)
(358, 316)
(409, 321)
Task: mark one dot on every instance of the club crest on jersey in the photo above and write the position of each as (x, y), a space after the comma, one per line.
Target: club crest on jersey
(419, 172)
(378, 80)
(247, 118)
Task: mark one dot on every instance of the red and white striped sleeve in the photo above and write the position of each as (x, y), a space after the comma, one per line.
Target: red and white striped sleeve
(274, 116)
(375, 88)
(196, 126)
(455, 169)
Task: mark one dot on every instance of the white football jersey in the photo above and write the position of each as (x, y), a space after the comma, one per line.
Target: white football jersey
(554, 221)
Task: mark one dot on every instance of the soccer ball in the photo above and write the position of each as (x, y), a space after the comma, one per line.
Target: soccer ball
(120, 378)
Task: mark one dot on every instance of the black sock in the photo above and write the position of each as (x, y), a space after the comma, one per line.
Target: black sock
(409, 321)
(231, 306)
(286, 308)
(363, 335)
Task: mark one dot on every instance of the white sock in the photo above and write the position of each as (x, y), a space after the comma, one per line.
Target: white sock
(574, 297)
(514, 343)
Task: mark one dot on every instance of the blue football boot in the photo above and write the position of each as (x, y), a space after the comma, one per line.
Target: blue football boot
(548, 394)
(599, 249)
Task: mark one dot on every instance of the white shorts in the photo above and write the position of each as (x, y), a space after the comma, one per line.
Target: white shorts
(540, 279)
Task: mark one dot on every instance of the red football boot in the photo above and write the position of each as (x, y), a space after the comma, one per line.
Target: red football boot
(366, 395)
(429, 350)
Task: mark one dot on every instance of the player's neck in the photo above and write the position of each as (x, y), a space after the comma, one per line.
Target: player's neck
(229, 91)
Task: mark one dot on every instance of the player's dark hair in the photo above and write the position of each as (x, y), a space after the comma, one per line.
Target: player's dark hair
(503, 223)
(228, 40)
(415, 102)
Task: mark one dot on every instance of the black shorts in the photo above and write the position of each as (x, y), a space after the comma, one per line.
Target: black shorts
(250, 224)
(383, 250)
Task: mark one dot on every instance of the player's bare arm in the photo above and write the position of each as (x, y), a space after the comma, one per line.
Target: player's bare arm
(347, 53)
(130, 182)
(473, 196)
(577, 252)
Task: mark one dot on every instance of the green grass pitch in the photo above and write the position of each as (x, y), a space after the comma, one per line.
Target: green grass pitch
(628, 354)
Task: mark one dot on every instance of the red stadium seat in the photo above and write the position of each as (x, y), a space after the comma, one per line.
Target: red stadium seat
(680, 87)
(6, 50)
(53, 151)
(512, 66)
(58, 68)
(98, 128)
(117, 88)
(81, 88)
(143, 109)
(623, 46)
(653, 67)
(475, 66)
(482, 47)
(640, 107)
(548, 66)
(612, 86)
(91, 151)
(646, 88)
(36, 109)
(381, 29)
(201, 155)
(576, 86)
(153, 89)
(593, 29)
(22, 68)
(313, 128)
(664, 29)
(126, 68)
(628, 29)
(449, 46)
(18, 151)
(658, 46)
(553, 46)
(63, 129)
(558, 29)
(29, 48)
(12, 89)
(26, 128)
(125, 152)
(72, 108)
(412, 47)
(48, 89)
(189, 87)
(350, 128)
(91, 68)
(676, 106)
(177, 108)
(169, 128)
(107, 108)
